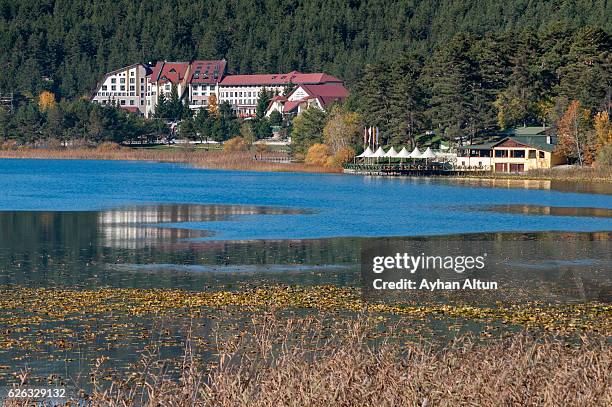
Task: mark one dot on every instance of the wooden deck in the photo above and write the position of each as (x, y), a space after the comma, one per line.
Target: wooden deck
(412, 170)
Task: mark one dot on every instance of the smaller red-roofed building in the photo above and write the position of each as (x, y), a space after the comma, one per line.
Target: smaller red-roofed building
(242, 91)
(301, 98)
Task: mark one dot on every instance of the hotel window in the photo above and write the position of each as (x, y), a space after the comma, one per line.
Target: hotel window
(131, 103)
(132, 80)
(518, 153)
(121, 80)
(122, 102)
(122, 87)
(113, 80)
(541, 154)
(167, 87)
(141, 102)
(104, 87)
(501, 153)
(132, 73)
(141, 80)
(532, 154)
(132, 87)
(113, 87)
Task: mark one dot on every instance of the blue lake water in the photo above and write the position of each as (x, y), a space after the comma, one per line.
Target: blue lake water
(337, 205)
(89, 224)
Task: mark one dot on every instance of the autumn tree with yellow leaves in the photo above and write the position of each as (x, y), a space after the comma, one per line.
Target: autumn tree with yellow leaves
(46, 101)
(213, 105)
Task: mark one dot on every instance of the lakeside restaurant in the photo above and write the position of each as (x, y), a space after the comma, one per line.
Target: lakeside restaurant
(513, 153)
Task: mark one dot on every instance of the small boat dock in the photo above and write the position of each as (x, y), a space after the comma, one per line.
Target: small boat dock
(412, 170)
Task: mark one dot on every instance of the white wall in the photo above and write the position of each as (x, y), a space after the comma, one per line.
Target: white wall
(125, 87)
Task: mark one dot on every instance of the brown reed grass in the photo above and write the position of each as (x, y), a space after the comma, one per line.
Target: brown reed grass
(574, 174)
(296, 362)
(231, 160)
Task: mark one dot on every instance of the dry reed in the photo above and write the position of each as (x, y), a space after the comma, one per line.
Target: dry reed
(574, 174)
(298, 363)
(234, 160)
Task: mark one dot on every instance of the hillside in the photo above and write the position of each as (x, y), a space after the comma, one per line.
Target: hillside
(65, 45)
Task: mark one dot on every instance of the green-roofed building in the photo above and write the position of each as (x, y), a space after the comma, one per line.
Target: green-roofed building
(516, 150)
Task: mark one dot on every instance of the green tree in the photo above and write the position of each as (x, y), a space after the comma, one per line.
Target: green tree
(4, 123)
(276, 118)
(187, 129)
(406, 103)
(307, 129)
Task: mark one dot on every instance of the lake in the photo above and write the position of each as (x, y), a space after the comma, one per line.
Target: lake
(93, 225)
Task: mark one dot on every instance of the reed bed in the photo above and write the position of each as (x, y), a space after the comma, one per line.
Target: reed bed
(573, 174)
(234, 160)
(295, 362)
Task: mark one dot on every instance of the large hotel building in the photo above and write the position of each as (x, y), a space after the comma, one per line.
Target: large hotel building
(137, 87)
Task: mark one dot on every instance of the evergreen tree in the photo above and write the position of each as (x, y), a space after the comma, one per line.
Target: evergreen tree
(162, 109)
(406, 101)
(307, 129)
(587, 76)
(449, 78)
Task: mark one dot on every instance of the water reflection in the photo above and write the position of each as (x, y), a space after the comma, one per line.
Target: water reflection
(552, 210)
(134, 248)
(136, 227)
(555, 185)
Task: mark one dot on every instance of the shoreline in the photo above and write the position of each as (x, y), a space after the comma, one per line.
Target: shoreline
(244, 161)
(222, 160)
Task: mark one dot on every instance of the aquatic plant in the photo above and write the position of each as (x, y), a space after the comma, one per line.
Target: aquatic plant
(295, 362)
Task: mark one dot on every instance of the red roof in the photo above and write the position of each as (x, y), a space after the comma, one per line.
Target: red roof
(205, 71)
(169, 72)
(280, 79)
(326, 94)
(132, 109)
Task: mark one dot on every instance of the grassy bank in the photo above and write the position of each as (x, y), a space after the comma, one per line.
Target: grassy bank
(235, 160)
(570, 174)
(247, 161)
(294, 362)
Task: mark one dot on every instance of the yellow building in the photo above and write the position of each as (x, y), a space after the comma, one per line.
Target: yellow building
(517, 150)
(524, 153)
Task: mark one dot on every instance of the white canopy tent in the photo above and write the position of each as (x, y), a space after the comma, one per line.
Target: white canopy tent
(391, 153)
(428, 154)
(366, 153)
(415, 153)
(403, 153)
(379, 153)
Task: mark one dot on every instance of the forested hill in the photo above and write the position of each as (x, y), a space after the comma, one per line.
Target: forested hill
(64, 45)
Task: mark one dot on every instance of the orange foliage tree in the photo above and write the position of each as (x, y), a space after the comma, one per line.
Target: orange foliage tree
(318, 154)
(603, 129)
(46, 101)
(213, 105)
(575, 141)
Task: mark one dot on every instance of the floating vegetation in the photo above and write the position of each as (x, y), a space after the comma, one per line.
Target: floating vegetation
(22, 307)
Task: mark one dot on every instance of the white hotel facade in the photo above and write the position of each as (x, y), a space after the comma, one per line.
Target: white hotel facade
(137, 87)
